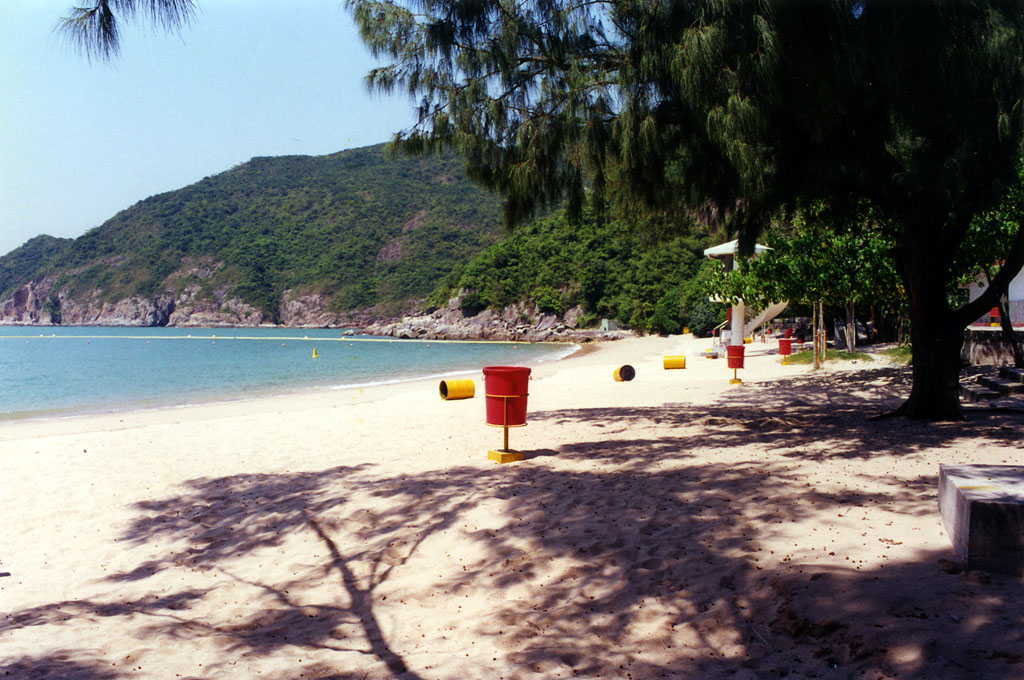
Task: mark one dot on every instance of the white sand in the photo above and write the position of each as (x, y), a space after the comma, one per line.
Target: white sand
(673, 526)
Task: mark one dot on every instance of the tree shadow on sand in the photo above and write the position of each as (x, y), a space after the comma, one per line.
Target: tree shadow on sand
(59, 666)
(653, 563)
(824, 415)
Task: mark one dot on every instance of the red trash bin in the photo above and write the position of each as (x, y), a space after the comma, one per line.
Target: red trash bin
(787, 333)
(505, 389)
(734, 354)
(785, 346)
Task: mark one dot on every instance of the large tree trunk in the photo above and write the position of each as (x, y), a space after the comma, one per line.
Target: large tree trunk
(935, 394)
(936, 340)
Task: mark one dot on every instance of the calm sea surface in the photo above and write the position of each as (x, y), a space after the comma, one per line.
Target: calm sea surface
(46, 371)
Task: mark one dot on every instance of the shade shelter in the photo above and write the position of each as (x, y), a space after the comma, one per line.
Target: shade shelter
(726, 252)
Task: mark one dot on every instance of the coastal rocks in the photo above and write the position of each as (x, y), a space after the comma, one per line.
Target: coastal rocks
(519, 323)
(309, 310)
(191, 308)
(233, 312)
(28, 305)
(40, 304)
(133, 311)
(195, 295)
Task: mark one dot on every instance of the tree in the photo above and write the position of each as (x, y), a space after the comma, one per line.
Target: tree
(989, 236)
(812, 259)
(817, 258)
(734, 110)
(94, 28)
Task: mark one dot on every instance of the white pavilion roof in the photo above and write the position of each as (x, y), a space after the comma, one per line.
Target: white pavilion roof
(730, 248)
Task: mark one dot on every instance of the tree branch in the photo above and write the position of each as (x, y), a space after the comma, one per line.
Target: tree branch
(999, 284)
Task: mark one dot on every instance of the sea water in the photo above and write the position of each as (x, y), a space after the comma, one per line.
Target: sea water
(51, 371)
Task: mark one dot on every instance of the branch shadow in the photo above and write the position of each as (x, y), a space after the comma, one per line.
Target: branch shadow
(58, 666)
(667, 576)
(654, 562)
(825, 415)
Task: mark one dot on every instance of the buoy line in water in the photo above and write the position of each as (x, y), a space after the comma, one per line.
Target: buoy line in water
(254, 337)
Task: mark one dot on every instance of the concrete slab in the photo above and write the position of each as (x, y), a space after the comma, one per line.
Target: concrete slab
(1001, 385)
(982, 508)
(976, 394)
(1012, 374)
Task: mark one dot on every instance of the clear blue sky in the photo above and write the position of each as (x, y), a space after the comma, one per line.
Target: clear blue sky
(80, 142)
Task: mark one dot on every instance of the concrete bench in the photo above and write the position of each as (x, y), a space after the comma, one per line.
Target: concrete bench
(982, 508)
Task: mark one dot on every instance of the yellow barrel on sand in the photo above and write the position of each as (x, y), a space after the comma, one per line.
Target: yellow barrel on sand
(624, 373)
(456, 389)
(674, 361)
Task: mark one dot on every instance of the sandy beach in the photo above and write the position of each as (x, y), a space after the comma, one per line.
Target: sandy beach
(673, 526)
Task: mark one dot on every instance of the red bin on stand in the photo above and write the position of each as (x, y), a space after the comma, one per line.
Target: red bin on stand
(734, 354)
(787, 333)
(505, 389)
(785, 346)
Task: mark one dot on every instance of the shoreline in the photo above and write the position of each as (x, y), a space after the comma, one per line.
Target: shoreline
(670, 526)
(66, 420)
(231, 395)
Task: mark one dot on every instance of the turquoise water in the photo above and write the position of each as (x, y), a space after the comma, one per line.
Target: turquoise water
(63, 371)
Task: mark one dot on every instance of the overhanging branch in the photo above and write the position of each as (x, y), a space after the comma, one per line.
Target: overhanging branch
(999, 285)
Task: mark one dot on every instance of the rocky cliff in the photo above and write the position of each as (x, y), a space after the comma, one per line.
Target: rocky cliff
(187, 300)
(189, 297)
(520, 323)
(44, 303)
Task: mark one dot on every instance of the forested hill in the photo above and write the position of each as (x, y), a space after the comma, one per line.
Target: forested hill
(646, 275)
(292, 239)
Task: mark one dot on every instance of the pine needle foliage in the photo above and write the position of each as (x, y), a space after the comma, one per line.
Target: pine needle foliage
(93, 29)
(734, 110)
(731, 110)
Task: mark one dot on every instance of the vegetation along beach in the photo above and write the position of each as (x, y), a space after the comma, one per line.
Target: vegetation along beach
(676, 339)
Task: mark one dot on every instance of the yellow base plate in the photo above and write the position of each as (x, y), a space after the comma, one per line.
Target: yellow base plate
(505, 456)
(735, 381)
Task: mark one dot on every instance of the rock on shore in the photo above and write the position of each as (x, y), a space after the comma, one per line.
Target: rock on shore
(45, 303)
(517, 322)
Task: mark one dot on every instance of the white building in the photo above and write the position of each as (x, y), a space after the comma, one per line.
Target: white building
(1015, 296)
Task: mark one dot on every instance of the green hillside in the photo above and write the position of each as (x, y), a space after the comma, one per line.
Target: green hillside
(357, 230)
(35, 255)
(360, 227)
(646, 277)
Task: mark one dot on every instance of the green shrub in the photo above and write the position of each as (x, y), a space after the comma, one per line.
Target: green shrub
(52, 305)
(704, 317)
(473, 303)
(667, 316)
(549, 300)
